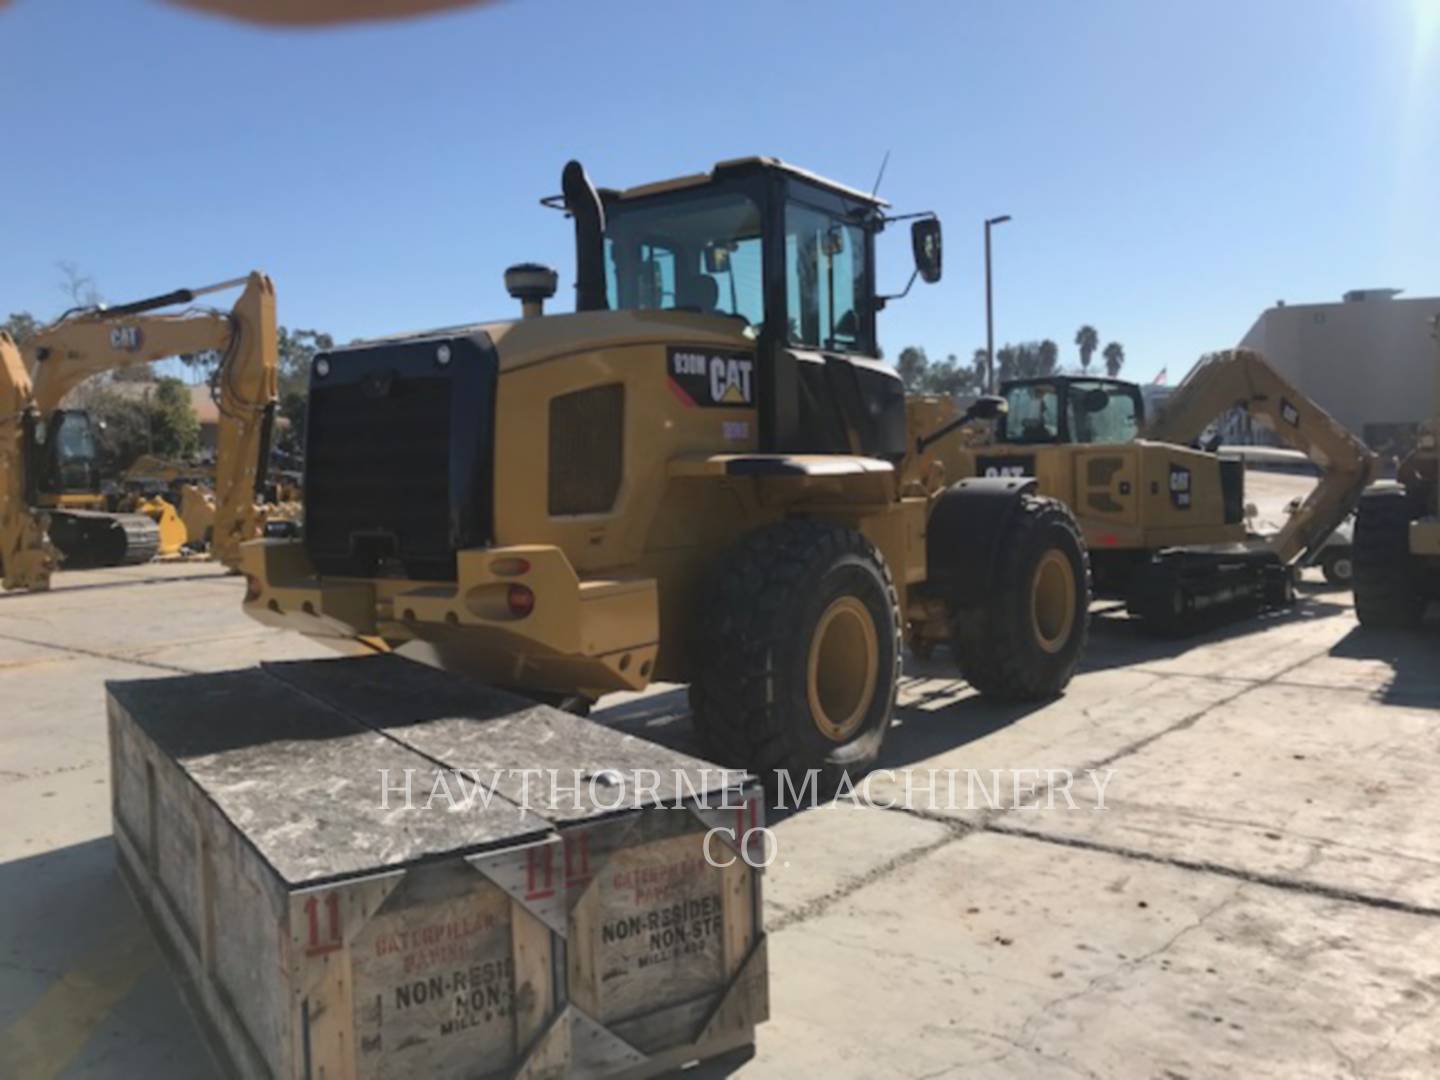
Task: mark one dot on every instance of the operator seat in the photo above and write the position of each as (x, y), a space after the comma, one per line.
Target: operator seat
(700, 293)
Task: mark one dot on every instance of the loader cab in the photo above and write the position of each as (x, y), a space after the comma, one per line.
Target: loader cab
(791, 257)
(1068, 409)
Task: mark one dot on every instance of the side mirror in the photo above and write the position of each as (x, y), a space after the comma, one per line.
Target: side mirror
(987, 407)
(1095, 401)
(925, 241)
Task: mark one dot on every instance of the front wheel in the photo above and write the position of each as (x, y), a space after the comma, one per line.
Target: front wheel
(797, 654)
(1023, 640)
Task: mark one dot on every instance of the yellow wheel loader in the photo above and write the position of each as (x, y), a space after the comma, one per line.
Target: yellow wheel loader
(1397, 537)
(49, 494)
(694, 477)
(1165, 521)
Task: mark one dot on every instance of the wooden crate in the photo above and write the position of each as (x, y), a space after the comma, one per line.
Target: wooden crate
(666, 952)
(315, 933)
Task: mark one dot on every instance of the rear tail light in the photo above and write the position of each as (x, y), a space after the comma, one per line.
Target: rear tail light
(520, 600)
(252, 588)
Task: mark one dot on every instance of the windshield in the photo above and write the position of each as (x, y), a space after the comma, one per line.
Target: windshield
(1102, 413)
(76, 442)
(1034, 414)
(700, 253)
(1094, 412)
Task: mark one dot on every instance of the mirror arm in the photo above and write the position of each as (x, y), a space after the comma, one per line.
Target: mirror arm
(924, 441)
(881, 301)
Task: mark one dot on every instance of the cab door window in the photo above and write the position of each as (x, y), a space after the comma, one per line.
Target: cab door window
(825, 264)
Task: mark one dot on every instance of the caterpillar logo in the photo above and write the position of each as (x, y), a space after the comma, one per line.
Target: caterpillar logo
(125, 338)
(712, 378)
(1005, 466)
(1179, 487)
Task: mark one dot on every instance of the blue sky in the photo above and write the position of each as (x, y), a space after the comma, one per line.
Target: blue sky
(1172, 168)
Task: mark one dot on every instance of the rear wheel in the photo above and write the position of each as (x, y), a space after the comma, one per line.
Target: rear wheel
(1389, 591)
(797, 653)
(1337, 566)
(1024, 640)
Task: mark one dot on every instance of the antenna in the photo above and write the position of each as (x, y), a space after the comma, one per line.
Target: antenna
(881, 174)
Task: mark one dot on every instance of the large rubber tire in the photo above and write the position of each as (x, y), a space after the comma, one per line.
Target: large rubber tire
(1016, 645)
(1389, 589)
(797, 654)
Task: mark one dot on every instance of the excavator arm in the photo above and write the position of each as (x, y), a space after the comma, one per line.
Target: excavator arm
(77, 347)
(1242, 378)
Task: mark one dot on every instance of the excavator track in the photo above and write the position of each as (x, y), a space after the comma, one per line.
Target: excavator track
(93, 538)
(1186, 591)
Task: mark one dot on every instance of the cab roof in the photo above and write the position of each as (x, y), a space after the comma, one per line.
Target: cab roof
(738, 167)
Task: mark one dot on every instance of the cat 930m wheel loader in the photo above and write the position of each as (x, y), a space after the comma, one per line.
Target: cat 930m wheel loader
(1397, 536)
(694, 477)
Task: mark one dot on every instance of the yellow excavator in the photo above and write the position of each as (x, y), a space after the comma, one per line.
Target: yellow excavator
(1163, 518)
(50, 503)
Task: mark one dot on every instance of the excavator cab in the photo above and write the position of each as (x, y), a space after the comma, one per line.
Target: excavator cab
(67, 463)
(1066, 409)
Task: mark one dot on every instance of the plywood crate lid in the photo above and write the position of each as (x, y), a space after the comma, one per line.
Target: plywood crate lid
(301, 781)
(460, 723)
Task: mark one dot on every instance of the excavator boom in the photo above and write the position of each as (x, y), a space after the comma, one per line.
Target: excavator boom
(1242, 378)
(35, 380)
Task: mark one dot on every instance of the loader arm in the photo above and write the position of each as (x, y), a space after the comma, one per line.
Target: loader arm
(1242, 378)
(63, 355)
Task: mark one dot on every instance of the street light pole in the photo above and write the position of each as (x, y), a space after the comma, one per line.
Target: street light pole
(990, 309)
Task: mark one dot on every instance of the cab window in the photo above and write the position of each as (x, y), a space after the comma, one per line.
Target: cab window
(700, 253)
(825, 281)
(1102, 413)
(1034, 414)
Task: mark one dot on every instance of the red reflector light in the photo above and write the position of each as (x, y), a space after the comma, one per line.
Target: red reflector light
(521, 601)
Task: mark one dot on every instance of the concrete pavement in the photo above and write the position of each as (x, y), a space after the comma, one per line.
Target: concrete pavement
(1260, 894)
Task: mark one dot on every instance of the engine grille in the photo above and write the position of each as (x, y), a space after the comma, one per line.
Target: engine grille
(398, 469)
(587, 441)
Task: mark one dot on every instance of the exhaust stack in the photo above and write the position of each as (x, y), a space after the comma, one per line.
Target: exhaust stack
(531, 284)
(582, 202)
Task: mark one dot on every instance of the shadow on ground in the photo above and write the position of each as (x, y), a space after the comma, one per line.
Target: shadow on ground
(1117, 640)
(1411, 655)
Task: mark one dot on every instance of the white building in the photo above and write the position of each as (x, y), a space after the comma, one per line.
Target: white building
(1369, 360)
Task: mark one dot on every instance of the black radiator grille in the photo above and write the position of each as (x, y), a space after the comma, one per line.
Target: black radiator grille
(587, 441)
(397, 469)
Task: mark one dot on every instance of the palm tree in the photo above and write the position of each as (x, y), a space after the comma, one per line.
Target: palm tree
(1088, 339)
(1114, 358)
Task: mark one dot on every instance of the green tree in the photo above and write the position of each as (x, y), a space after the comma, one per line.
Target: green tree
(913, 367)
(1114, 359)
(1088, 340)
(174, 427)
(21, 326)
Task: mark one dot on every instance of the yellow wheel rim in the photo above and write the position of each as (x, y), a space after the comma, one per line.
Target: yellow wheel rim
(1052, 601)
(843, 668)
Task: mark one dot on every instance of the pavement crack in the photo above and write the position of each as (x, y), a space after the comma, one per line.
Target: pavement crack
(821, 904)
(1207, 866)
(101, 654)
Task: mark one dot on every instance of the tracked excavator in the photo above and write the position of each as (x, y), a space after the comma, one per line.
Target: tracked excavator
(50, 503)
(1164, 518)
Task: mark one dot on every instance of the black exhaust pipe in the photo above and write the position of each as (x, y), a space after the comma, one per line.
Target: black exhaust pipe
(583, 203)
